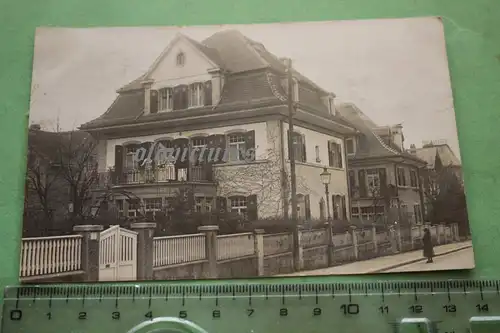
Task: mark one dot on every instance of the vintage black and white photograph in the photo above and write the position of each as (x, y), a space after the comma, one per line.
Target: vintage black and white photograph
(263, 150)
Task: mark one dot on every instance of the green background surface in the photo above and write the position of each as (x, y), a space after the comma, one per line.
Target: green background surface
(473, 43)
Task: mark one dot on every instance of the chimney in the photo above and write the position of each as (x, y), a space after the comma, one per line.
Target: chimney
(397, 136)
(413, 149)
(35, 127)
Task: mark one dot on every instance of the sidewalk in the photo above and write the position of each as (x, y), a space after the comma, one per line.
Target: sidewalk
(378, 265)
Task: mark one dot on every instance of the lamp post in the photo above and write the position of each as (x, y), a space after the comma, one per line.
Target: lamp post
(325, 179)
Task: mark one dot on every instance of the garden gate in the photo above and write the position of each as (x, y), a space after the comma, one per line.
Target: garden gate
(118, 254)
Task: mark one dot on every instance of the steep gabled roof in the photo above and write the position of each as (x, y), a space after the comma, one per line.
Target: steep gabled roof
(443, 151)
(370, 144)
(253, 75)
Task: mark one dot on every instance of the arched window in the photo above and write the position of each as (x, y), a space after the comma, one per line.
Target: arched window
(180, 59)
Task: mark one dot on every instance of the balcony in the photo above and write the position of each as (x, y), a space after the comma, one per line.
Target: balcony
(160, 175)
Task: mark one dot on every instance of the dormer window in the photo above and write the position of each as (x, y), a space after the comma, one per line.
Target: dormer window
(331, 106)
(166, 99)
(196, 95)
(180, 59)
(350, 146)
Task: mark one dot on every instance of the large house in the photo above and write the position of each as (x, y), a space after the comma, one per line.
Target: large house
(442, 170)
(230, 92)
(385, 180)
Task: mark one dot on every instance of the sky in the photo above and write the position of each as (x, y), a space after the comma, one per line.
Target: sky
(394, 70)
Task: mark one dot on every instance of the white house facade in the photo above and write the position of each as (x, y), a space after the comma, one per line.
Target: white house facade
(225, 92)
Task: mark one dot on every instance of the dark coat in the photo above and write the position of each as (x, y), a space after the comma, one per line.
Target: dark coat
(428, 248)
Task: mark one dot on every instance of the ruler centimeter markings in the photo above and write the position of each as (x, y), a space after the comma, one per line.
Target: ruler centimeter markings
(431, 306)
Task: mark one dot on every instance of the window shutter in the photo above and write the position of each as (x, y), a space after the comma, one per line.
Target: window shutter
(330, 154)
(252, 207)
(250, 144)
(220, 143)
(146, 146)
(208, 93)
(176, 95)
(307, 201)
(383, 182)
(362, 183)
(339, 154)
(153, 102)
(118, 165)
(208, 171)
(344, 208)
(182, 144)
(184, 96)
(304, 156)
(333, 208)
(221, 205)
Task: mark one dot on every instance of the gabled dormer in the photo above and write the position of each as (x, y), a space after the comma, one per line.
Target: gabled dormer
(186, 75)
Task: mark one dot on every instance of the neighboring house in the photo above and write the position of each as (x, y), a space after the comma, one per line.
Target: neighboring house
(48, 193)
(385, 181)
(441, 163)
(227, 92)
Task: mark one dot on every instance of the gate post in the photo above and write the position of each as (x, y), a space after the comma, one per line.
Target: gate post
(145, 251)
(210, 232)
(90, 250)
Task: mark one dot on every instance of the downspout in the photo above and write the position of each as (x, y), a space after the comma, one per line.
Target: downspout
(349, 194)
(284, 179)
(421, 195)
(397, 192)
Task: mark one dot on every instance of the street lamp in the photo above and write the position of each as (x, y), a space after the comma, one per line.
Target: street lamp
(325, 179)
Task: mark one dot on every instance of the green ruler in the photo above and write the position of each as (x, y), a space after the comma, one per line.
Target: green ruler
(413, 307)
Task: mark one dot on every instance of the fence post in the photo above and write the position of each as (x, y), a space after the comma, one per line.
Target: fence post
(438, 233)
(355, 242)
(329, 240)
(145, 252)
(258, 236)
(210, 232)
(374, 236)
(398, 238)
(456, 234)
(90, 250)
(300, 249)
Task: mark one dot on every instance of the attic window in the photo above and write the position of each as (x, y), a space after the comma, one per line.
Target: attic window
(181, 59)
(331, 106)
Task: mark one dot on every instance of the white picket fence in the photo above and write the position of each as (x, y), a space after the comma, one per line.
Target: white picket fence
(55, 255)
(50, 255)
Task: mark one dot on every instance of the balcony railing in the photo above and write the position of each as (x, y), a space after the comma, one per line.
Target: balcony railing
(167, 174)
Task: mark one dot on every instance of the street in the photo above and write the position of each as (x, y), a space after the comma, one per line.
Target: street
(463, 258)
(460, 255)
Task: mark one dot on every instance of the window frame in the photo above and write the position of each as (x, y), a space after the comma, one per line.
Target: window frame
(239, 145)
(401, 175)
(353, 146)
(165, 99)
(372, 175)
(199, 89)
(240, 209)
(180, 59)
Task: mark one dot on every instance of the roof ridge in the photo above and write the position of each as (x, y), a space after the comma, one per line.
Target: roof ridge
(274, 89)
(384, 144)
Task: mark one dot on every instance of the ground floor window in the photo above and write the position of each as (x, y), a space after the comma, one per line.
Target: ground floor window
(238, 205)
(152, 204)
(203, 204)
(371, 213)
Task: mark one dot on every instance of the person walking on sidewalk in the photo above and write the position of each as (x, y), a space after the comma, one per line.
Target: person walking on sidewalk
(428, 248)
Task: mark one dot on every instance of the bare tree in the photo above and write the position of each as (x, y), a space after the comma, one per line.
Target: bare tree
(42, 181)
